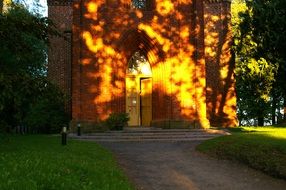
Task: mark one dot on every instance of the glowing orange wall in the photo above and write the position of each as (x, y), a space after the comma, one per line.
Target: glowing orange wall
(172, 35)
(221, 96)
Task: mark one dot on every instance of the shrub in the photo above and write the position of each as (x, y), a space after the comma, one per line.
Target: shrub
(46, 117)
(47, 114)
(4, 127)
(116, 121)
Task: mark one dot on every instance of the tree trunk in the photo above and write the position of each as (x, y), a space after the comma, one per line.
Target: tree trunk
(274, 104)
(240, 122)
(1, 6)
(260, 121)
(284, 105)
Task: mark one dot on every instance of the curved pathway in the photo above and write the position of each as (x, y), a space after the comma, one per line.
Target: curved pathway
(178, 166)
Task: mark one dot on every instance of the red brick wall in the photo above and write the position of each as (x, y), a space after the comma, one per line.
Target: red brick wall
(60, 58)
(221, 98)
(99, 85)
(171, 34)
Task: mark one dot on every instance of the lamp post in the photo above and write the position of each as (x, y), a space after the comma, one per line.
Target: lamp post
(64, 136)
(78, 129)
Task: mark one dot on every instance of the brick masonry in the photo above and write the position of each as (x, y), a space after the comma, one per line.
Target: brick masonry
(186, 42)
(60, 49)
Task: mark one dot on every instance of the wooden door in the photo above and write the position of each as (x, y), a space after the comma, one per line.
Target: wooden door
(146, 101)
(132, 100)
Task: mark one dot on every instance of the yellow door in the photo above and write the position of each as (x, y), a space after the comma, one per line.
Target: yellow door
(146, 101)
(132, 100)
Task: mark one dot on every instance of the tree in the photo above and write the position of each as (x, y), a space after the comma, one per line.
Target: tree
(46, 114)
(254, 83)
(259, 40)
(23, 58)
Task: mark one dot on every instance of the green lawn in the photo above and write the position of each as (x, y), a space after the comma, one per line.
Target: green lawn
(261, 148)
(41, 162)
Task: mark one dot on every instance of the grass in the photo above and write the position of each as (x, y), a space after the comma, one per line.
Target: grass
(41, 162)
(261, 148)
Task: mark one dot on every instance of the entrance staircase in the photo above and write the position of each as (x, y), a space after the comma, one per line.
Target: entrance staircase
(152, 134)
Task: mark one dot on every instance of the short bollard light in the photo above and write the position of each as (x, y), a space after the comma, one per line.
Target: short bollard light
(64, 136)
(78, 129)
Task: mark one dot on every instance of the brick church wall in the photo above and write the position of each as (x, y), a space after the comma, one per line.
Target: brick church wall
(60, 58)
(112, 32)
(221, 97)
(189, 82)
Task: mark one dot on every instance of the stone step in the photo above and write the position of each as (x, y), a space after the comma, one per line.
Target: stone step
(143, 129)
(145, 137)
(147, 140)
(167, 131)
(150, 135)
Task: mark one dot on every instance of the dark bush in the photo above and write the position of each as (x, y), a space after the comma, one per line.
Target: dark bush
(116, 121)
(47, 114)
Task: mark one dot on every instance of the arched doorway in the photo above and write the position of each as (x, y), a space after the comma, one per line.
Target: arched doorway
(139, 90)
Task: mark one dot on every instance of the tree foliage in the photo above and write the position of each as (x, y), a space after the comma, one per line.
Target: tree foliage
(4, 4)
(26, 96)
(254, 81)
(46, 114)
(259, 44)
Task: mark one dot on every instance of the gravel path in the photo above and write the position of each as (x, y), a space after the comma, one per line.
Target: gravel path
(177, 166)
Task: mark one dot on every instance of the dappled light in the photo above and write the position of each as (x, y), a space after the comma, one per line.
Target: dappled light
(221, 93)
(169, 36)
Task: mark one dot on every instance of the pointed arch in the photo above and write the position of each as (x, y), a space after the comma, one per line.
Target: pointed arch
(136, 40)
(138, 64)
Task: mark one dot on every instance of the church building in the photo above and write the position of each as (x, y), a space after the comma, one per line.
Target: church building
(167, 63)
